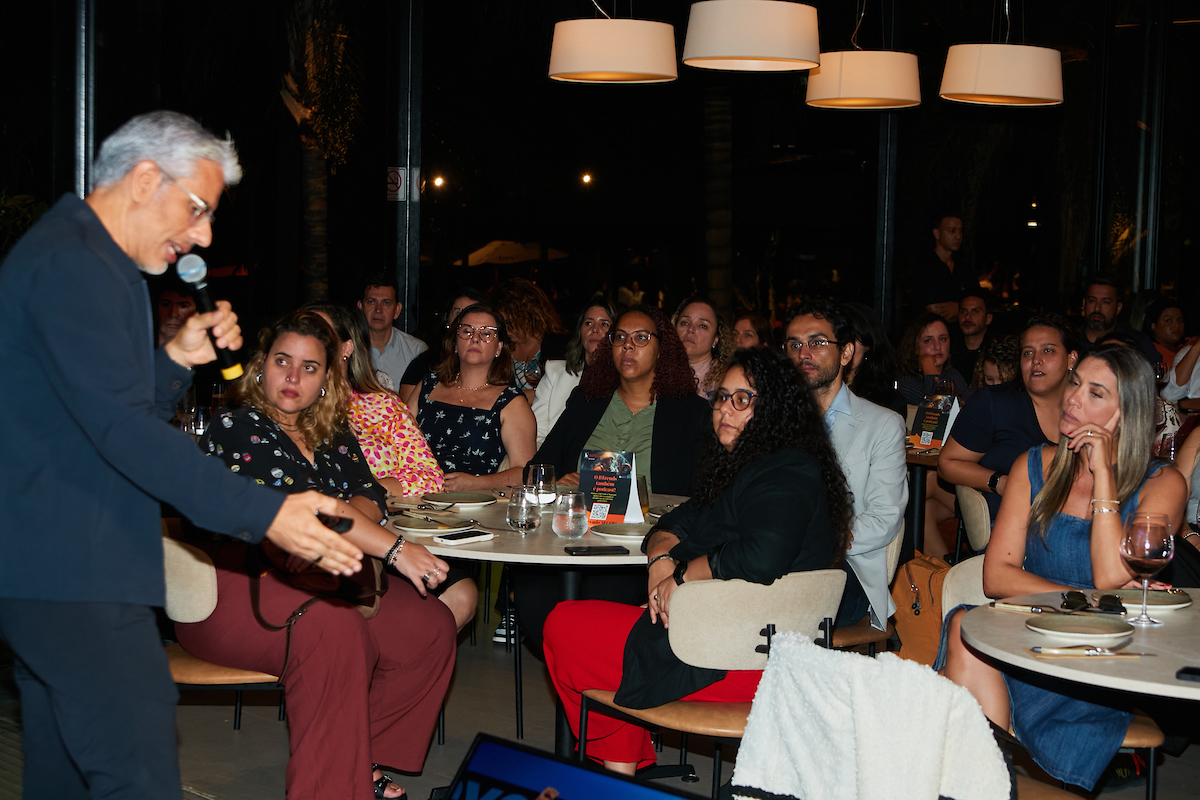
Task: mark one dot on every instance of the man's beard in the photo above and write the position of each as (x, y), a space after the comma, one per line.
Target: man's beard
(1099, 325)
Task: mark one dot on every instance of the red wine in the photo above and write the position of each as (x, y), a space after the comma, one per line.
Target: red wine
(1146, 567)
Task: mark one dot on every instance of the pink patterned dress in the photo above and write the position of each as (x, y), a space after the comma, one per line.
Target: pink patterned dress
(392, 443)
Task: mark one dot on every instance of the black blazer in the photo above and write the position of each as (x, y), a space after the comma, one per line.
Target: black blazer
(678, 431)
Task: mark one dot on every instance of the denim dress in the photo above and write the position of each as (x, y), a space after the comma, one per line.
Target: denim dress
(1071, 739)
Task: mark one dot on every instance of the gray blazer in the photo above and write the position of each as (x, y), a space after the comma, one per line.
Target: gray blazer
(870, 447)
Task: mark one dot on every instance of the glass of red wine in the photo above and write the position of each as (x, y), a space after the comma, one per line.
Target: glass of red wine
(1147, 547)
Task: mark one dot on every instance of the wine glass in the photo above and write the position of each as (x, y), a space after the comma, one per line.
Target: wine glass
(1147, 547)
(541, 478)
(570, 516)
(524, 512)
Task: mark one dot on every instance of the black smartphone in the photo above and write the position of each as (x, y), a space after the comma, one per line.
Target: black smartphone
(1188, 674)
(335, 524)
(598, 550)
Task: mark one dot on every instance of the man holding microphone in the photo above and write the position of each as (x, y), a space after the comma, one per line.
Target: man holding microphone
(86, 456)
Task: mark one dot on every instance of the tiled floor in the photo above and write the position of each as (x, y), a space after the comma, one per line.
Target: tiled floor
(219, 763)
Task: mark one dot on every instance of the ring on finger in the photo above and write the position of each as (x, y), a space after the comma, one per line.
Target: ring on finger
(425, 577)
(317, 560)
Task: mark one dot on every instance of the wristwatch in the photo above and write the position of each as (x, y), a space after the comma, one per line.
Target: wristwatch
(680, 568)
(994, 481)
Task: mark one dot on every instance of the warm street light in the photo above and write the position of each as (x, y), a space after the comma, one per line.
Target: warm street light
(587, 178)
(438, 181)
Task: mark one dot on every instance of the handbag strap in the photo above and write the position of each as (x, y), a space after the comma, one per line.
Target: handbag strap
(256, 568)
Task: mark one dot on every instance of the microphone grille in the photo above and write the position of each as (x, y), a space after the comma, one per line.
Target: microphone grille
(191, 268)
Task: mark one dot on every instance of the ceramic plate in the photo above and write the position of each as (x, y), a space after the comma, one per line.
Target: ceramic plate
(658, 511)
(1089, 628)
(421, 527)
(1155, 599)
(622, 530)
(460, 499)
(408, 501)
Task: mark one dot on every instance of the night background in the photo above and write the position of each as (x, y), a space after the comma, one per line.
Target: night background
(512, 147)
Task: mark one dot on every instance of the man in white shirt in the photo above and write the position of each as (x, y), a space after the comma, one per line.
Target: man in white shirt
(391, 348)
(869, 441)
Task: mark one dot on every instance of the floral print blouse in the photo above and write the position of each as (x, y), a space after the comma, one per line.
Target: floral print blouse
(464, 439)
(392, 443)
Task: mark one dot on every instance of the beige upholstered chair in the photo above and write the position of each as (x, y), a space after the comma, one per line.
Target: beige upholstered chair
(964, 584)
(976, 517)
(862, 632)
(191, 597)
(723, 625)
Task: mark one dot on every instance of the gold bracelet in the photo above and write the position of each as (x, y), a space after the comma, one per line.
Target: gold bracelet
(1096, 511)
(1114, 502)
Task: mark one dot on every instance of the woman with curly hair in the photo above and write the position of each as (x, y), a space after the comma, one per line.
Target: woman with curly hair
(707, 339)
(534, 329)
(925, 359)
(999, 362)
(771, 499)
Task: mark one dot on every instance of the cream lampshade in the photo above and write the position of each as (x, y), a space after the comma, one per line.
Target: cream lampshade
(865, 79)
(1003, 75)
(752, 35)
(613, 51)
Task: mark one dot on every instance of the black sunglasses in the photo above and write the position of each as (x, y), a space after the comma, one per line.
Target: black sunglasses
(1078, 601)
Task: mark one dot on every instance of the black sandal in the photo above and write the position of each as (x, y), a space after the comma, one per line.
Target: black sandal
(382, 784)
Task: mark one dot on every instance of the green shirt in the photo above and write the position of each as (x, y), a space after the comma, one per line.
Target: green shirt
(621, 429)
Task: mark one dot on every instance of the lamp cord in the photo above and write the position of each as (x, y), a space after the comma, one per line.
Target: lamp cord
(861, 11)
(601, 10)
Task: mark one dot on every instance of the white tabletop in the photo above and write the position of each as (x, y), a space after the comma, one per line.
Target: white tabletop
(1176, 643)
(541, 546)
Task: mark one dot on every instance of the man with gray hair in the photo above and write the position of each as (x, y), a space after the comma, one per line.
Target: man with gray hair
(87, 454)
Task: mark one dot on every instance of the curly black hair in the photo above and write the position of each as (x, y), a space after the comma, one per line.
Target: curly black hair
(785, 416)
(673, 376)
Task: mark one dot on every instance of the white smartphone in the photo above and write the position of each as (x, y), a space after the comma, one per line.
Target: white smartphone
(464, 537)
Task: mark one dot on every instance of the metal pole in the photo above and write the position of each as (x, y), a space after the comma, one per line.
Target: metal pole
(85, 93)
(407, 253)
(885, 217)
(1103, 58)
(1156, 42)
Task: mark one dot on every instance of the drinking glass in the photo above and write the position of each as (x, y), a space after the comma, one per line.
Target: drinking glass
(1168, 447)
(1147, 547)
(541, 478)
(570, 516)
(524, 512)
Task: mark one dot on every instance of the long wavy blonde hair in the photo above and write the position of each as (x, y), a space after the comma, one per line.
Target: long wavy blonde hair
(326, 417)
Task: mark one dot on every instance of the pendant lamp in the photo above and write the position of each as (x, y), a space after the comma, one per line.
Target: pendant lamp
(865, 79)
(613, 51)
(1003, 75)
(752, 36)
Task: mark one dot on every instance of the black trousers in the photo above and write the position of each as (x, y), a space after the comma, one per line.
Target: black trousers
(97, 700)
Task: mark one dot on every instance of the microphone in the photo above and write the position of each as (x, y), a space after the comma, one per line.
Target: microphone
(193, 271)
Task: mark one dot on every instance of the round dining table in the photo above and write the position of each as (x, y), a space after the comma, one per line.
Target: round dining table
(1003, 636)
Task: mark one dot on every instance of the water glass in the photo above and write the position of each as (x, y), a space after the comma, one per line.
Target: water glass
(1147, 547)
(541, 478)
(524, 512)
(570, 516)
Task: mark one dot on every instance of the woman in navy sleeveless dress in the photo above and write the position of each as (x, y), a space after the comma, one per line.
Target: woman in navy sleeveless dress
(1060, 527)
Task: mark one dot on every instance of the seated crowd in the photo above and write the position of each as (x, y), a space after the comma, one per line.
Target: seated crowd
(791, 463)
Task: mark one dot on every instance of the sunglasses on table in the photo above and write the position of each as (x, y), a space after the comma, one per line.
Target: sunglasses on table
(1078, 601)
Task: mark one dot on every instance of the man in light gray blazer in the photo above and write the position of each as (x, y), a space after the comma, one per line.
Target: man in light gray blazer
(869, 441)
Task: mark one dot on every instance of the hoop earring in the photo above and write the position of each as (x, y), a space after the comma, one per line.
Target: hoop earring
(258, 378)
(322, 391)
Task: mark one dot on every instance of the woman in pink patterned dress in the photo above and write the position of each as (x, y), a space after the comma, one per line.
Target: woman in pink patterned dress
(395, 448)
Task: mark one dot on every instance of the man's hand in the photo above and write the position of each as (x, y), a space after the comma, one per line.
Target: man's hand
(297, 530)
(191, 348)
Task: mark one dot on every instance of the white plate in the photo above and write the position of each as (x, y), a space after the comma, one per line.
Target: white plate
(623, 530)
(658, 511)
(421, 527)
(460, 499)
(1074, 626)
(1156, 599)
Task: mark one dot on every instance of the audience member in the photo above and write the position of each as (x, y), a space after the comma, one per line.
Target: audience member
(1183, 379)
(999, 362)
(175, 305)
(562, 376)
(1101, 305)
(1165, 321)
(1003, 422)
(391, 348)
(771, 500)
(1060, 527)
(706, 339)
(473, 417)
(974, 321)
(426, 361)
(536, 333)
(869, 442)
(872, 372)
(358, 690)
(939, 281)
(752, 330)
(925, 359)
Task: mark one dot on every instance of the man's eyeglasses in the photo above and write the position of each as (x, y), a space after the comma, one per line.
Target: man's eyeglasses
(797, 345)
(485, 332)
(639, 338)
(200, 209)
(740, 399)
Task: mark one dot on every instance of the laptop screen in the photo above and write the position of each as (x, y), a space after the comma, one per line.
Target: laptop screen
(495, 769)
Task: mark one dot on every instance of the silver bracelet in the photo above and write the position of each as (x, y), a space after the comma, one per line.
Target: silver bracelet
(660, 557)
(1096, 511)
(1190, 534)
(394, 552)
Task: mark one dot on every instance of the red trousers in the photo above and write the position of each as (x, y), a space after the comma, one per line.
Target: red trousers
(358, 691)
(584, 646)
